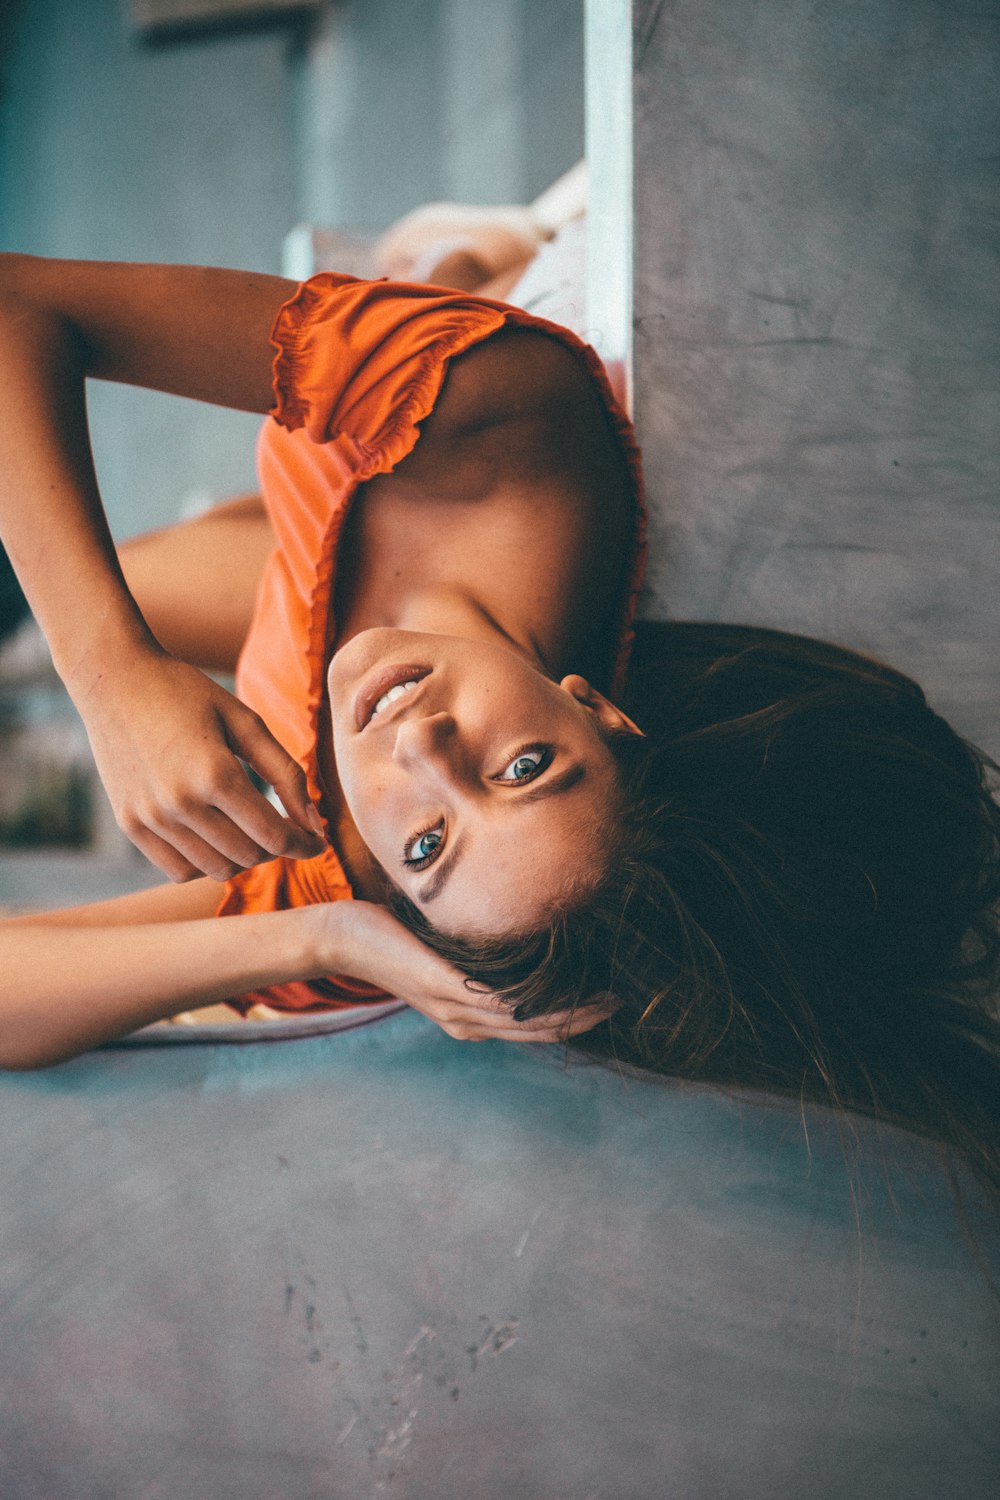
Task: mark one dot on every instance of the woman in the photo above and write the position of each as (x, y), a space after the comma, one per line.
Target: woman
(789, 881)
(508, 531)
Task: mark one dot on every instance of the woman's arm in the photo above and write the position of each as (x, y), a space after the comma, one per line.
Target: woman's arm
(67, 988)
(196, 331)
(166, 739)
(75, 978)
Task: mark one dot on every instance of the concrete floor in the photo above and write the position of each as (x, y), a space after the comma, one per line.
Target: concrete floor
(386, 1263)
(35, 879)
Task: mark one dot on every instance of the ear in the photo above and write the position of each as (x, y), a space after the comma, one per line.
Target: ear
(608, 716)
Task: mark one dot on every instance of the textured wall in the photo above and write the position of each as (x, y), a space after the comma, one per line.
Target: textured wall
(817, 349)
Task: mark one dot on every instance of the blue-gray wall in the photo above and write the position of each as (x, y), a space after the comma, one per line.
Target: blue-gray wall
(111, 149)
(408, 101)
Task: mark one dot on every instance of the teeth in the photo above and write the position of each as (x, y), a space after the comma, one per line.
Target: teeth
(391, 696)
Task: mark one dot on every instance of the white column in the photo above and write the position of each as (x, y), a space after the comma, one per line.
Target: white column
(608, 40)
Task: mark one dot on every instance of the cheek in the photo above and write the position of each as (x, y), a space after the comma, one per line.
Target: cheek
(367, 793)
(379, 833)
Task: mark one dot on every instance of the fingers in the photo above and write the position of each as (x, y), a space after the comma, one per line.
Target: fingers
(496, 1023)
(182, 855)
(253, 741)
(167, 742)
(211, 856)
(192, 839)
(164, 856)
(372, 944)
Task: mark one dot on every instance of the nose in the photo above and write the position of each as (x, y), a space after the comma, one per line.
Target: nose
(425, 742)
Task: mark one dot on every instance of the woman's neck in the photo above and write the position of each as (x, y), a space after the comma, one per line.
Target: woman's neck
(447, 610)
(512, 567)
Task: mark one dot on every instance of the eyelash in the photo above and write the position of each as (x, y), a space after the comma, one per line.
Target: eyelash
(428, 859)
(544, 750)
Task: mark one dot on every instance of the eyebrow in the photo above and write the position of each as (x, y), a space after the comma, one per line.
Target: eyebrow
(444, 869)
(550, 786)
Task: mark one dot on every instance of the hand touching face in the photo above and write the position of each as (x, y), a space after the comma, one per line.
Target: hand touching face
(368, 942)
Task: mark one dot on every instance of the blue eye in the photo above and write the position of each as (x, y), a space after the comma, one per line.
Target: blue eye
(421, 850)
(526, 765)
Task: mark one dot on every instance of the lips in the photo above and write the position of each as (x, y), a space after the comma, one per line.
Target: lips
(379, 682)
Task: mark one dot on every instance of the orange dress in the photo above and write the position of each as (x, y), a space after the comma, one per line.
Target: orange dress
(359, 365)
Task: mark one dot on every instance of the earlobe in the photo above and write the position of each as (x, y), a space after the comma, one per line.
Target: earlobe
(608, 714)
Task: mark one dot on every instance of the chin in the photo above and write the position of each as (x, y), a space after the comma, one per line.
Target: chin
(351, 660)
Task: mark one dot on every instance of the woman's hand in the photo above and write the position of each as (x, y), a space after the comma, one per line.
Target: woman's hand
(367, 942)
(168, 743)
(166, 739)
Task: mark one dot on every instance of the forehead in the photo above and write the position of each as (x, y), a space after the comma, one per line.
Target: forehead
(519, 864)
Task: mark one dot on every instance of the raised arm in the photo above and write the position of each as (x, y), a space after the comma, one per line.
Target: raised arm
(195, 331)
(166, 738)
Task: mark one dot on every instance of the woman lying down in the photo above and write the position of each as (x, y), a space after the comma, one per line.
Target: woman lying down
(742, 856)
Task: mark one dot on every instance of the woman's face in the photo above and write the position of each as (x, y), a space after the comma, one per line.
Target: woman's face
(482, 788)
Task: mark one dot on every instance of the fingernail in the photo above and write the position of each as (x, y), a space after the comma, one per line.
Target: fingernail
(315, 821)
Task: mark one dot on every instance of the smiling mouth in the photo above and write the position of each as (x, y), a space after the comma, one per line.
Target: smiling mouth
(382, 688)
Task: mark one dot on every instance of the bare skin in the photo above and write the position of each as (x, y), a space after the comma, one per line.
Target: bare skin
(516, 518)
(196, 582)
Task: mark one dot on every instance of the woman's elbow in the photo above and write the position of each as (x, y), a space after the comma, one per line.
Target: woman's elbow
(32, 1053)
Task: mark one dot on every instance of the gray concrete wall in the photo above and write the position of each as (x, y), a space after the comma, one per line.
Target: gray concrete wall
(817, 348)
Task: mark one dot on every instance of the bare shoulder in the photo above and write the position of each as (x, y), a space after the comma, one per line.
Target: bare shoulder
(521, 375)
(523, 488)
(521, 407)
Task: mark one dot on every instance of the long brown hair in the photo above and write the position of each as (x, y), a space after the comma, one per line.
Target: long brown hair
(802, 894)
